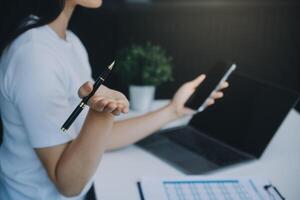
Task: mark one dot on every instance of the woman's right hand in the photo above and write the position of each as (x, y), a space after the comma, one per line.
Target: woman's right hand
(105, 99)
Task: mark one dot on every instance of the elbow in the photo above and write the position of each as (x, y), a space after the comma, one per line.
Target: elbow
(69, 191)
(68, 187)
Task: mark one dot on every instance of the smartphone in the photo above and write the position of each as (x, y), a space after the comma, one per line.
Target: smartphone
(219, 73)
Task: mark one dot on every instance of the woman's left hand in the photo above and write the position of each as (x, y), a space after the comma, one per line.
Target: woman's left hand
(186, 90)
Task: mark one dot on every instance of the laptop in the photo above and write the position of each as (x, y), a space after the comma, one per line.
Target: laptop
(236, 129)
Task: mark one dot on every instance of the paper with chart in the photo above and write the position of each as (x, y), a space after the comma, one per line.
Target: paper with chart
(202, 188)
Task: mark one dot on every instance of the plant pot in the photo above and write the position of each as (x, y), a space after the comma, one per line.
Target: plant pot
(141, 97)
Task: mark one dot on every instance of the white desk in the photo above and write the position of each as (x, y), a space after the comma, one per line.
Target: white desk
(120, 170)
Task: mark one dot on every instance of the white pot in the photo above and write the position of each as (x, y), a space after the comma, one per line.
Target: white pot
(141, 97)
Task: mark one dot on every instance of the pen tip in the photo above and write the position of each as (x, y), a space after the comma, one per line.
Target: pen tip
(111, 65)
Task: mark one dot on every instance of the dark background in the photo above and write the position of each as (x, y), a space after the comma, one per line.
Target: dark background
(262, 37)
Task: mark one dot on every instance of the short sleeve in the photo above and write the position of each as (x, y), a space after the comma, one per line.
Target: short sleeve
(40, 96)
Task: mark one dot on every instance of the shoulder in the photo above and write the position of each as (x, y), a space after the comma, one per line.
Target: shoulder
(37, 35)
(32, 46)
(33, 57)
(35, 45)
(78, 43)
(28, 62)
(23, 59)
(28, 53)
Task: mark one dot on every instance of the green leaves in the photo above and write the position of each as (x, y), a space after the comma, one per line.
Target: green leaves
(144, 65)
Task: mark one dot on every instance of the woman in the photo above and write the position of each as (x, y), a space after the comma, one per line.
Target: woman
(41, 67)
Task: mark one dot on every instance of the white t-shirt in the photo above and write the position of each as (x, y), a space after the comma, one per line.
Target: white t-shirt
(40, 74)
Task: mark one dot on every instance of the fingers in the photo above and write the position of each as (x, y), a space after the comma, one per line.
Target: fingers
(197, 81)
(85, 89)
(123, 106)
(217, 95)
(120, 109)
(98, 103)
(116, 112)
(108, 105)
(108, 100)
(224, 85)
(210, 101)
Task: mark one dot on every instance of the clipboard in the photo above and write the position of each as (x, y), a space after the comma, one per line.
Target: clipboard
(200, 187)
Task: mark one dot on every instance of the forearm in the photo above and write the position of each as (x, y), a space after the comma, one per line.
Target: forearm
(129, 131)
(82, 156)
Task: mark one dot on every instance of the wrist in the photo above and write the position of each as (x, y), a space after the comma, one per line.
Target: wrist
(172, 110)
(97, 122)
(100, 115)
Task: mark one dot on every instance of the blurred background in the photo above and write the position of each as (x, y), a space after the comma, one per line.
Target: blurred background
(261, 36)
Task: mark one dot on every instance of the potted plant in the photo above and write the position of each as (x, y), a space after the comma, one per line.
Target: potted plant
(143, 67)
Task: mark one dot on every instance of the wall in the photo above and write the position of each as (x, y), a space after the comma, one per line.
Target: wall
(262, 38)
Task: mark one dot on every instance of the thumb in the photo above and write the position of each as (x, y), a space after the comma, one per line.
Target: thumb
(197, 81)
(85, 89)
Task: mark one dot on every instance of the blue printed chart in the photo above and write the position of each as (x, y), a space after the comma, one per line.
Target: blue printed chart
(193, 188)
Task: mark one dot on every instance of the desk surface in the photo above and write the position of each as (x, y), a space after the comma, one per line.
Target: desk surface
(120, 170)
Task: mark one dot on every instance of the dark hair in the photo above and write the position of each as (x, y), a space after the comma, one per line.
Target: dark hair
(14, 13)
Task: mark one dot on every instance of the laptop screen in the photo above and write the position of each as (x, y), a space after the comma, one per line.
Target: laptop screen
(248, 116)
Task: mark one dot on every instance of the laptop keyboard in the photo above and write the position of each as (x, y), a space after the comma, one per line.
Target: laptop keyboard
(191, 151)
(205, 146)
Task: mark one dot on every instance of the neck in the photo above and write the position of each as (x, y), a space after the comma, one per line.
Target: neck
(60, 24)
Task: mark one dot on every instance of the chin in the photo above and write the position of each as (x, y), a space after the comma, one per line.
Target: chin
(90, 3)
(98, 3)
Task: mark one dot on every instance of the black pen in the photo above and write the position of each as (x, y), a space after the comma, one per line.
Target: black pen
(85, 100)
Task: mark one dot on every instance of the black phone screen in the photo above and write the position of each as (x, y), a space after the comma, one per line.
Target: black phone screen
(213, 78)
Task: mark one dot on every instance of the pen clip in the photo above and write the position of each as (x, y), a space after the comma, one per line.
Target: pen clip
(269, 187)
